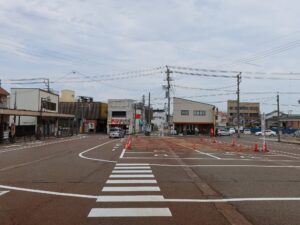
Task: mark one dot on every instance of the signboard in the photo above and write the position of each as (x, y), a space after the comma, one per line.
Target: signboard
(120, 121)
(138, 116)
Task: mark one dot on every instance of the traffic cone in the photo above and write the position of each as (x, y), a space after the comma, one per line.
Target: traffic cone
(233, 142)
(265, 147)
(256, 149)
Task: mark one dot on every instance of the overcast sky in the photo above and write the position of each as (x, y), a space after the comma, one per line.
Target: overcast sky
(98, 37)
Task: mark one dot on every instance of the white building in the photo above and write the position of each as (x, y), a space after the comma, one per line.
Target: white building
(121, 114)
(159, 120)
(34, 99)
(190, 116)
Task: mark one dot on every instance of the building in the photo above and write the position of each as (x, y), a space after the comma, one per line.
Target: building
(286, 121)
(249, 113)
(190, 116)
(221, 119)
(4, 119)
(159, 120)
(90, 117)
(121, 113)
(34, 99)
(67, 96)
(128, 114)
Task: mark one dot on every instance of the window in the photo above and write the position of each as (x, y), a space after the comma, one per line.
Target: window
(184, 112)
(119, 114)
(48, 105)
(199, 113)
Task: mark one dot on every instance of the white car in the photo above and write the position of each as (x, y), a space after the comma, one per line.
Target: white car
(231, 131)
(116, 132)
(247, 131)
(269, 133)
(223, 132)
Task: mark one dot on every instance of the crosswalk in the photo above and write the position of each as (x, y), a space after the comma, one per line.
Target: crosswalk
(3, 192)
(123, 186)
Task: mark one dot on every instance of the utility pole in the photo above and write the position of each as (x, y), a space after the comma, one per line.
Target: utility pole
(278, 122)
(143, 113)
(239, 77)
(134, 118)
(47, 83)
(168, 72)
(149, 115)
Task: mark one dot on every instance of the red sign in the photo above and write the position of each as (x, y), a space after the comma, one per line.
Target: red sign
(138, 116)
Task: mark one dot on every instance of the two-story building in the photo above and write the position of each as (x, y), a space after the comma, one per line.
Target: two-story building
(191, 116)
(34, 99)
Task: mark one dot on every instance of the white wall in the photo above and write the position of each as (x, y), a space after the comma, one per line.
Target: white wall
(29, 99)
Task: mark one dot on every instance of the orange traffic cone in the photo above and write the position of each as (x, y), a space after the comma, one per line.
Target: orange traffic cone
(233, 142)
(256, 149)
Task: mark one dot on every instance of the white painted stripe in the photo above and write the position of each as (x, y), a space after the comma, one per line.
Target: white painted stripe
(48, 192)
(137, 188)
(232, 200)
(130, 198)
(122, 154)
(204, 153)
(131, 181)
(132, 171)
(132, 167)
(132, 164)
(3, 192)
(132, 176)
(130, 212)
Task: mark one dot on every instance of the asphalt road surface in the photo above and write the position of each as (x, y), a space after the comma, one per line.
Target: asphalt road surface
(94, 180)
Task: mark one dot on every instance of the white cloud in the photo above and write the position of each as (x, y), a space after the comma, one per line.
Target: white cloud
(99, 37)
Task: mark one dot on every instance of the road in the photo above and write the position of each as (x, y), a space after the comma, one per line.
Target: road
(94, 180)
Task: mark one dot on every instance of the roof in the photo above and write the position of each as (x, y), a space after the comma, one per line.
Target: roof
(3, 92)
(193, 101)
(37, 89)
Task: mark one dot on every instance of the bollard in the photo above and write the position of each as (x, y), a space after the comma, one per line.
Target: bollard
(233, 142)
(265, 147)
(256, 149)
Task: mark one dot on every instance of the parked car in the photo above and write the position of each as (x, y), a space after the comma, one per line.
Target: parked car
(247, 131)
(269, 133)
(297, 133)
(116, 132)
(231, 131)
(223, 132)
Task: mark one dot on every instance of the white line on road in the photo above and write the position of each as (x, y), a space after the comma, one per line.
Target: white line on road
(130, 212)
(131, 182)
(122, 154)
(48, 192)
(166, 200)
(132, 167)
(204, 153)
(3, 192)
(132, 176)
(131, 189)
(130, 198)
(132, 164)
(132, 171)
(90, 149)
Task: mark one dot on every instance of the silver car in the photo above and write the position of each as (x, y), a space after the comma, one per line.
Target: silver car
(116, 132)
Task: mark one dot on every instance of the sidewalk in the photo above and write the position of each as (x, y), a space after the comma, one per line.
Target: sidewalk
(291, 140)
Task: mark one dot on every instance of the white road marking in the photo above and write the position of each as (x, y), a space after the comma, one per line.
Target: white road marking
(165, 200)
(132, 164)
(131, 182)
(48, 192)
(130, 198)
(3, 192)
(132, 176)
(130, 212)
(132, 167)
(204, 153)
(114, 150)
(130, 189)
(90, 149)
(122, 154)
(132, 171)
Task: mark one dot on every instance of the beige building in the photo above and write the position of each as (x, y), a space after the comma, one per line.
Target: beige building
(190, 116)
(67, 96)
(249, 113)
